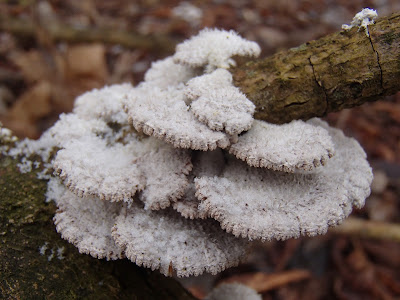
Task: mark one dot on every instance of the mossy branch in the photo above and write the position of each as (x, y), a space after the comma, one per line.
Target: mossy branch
(342, 70)
(35, 263)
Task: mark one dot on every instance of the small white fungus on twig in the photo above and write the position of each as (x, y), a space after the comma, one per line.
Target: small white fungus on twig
(362, 19)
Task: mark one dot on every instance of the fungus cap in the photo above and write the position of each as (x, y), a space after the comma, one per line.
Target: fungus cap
(263, 204)
(164, 240)
(165, 169)
(71, 127)
(164, 114)
(116, 172)
(86, 223)
(288, 147)
(166, 72)
(218, 104)
(89, 166)
(104, 103)
(214, 48)
(363, 18)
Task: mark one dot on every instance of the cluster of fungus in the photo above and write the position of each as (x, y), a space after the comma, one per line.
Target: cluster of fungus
(174, 174)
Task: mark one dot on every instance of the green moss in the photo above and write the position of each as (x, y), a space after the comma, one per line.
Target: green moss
(390, 37)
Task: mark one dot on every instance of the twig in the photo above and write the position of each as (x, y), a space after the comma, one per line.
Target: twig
(262, 282)
(68, 33)
(369, 229)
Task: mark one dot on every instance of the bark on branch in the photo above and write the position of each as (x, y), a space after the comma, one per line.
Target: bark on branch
(341, 70)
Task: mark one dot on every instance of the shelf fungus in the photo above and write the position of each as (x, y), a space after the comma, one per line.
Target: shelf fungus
(86, 223)
(290, 147)
(202, 112)
(164, 240)
(258, 203)
(131, 181)
(221, 109)
(213, 49)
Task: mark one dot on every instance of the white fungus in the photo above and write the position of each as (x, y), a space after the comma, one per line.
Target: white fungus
(6, 137)
(213, 49)
(166, 72)
(200, 85)
(220, 105)
(55, 189)
(289, 147)
(363, 18)
(164, 114)
(263, 204)
(112, 174)
(86, 223)
(288, 185)
(43, 248)
(178, 104)
(165, 170)
(104, 103)
(164, 240)
(93, 161)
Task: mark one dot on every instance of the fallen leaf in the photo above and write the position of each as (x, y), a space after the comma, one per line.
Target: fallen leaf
(32, 64)
(87, 61)
(33, 104)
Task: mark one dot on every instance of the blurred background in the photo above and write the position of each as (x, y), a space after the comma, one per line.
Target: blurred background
(52, 51)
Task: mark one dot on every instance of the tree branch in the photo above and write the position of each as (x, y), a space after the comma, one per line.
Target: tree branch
(68, 33)
(368, 229)
(341, 70)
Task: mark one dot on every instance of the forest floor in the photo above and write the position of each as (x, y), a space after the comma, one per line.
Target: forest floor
(45, 63)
